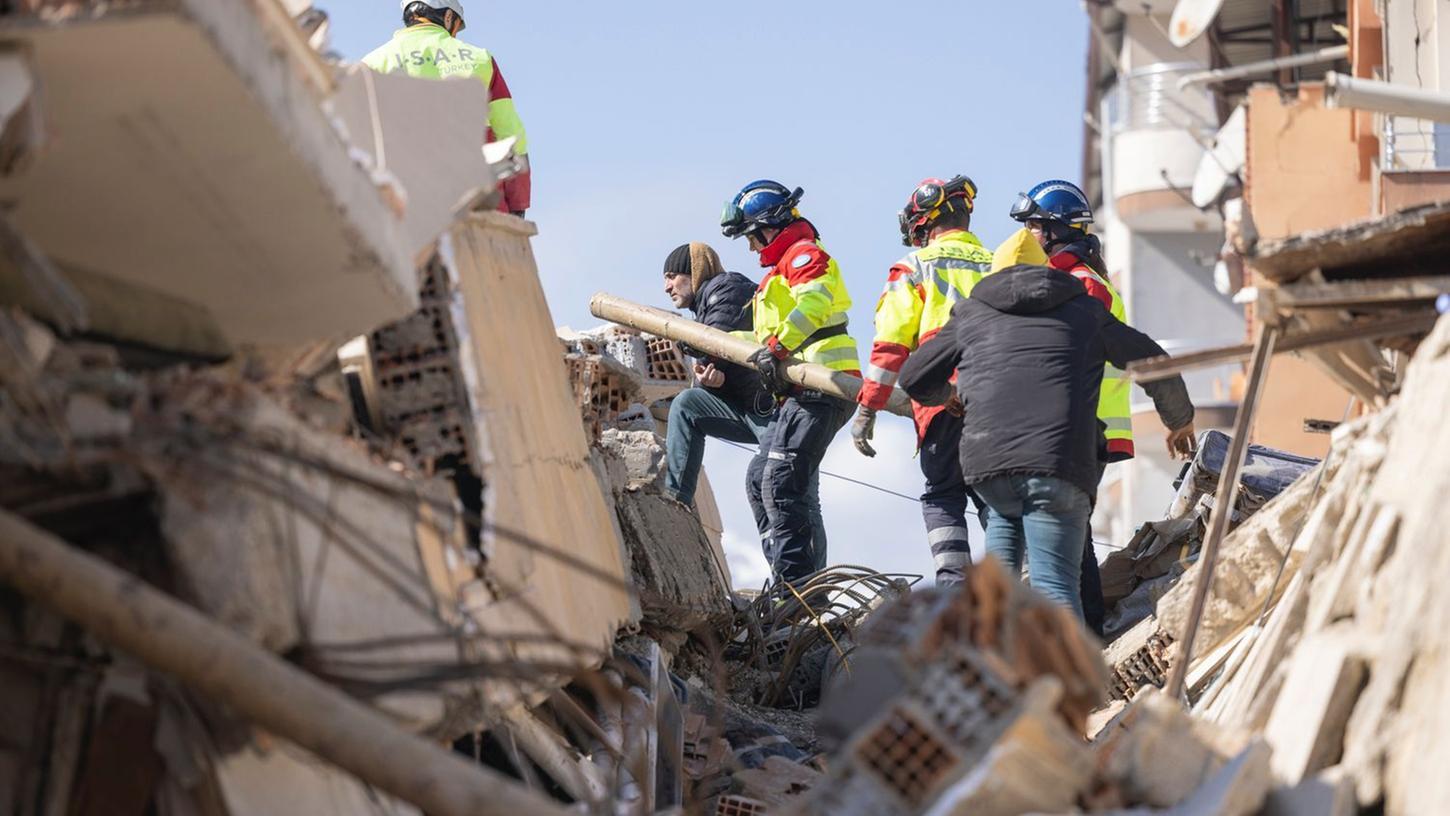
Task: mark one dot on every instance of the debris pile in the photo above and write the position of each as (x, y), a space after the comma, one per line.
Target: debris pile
(248, 568)
(974, 696)
(1137, 576)
(789, 643)
(1322, 632)
(1346, 672)
(620, 374)
(679, 574)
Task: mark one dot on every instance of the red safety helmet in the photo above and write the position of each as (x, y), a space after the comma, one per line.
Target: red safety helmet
(928, 201)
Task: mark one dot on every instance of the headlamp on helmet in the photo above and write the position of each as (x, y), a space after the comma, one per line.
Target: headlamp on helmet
(931, 199)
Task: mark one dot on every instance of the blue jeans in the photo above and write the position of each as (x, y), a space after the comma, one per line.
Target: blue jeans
(1047, 517)
(697, 414)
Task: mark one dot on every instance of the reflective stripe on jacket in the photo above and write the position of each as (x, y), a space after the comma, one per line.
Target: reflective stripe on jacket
(1115, 409)
(428, 51)
(917, 301)
(801, 303)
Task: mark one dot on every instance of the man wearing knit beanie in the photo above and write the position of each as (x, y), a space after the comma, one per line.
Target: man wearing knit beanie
(730, 402)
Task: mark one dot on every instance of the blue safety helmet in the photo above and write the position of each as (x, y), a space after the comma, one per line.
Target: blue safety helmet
(1054, 200)
(762, 203)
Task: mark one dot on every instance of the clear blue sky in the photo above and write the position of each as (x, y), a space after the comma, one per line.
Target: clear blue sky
(645, 117)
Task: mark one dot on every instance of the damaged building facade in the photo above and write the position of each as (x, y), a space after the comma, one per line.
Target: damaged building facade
(306, 506)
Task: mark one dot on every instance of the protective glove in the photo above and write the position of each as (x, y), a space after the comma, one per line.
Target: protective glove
(862, 429)
(771, 366)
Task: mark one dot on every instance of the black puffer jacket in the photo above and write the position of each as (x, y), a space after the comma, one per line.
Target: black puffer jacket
(723, 302)
(1028, 346)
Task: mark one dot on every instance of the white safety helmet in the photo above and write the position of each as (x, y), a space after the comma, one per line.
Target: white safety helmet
(455, 6)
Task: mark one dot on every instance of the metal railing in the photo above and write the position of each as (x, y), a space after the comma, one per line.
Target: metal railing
(1149, 98)
(1415, 144)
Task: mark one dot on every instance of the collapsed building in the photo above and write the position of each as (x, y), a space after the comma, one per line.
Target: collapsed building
(283, 529)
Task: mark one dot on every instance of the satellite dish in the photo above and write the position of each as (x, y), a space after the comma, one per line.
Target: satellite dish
(1223, 161)
(1190, 19)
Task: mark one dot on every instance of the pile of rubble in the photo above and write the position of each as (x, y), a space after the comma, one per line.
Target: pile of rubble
(1154, 559)
(1318, 686)
(619, 374)
(1323, 630)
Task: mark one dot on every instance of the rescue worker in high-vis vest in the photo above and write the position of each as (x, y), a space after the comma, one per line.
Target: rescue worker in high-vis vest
(1058, 214)
(799, 310)
(920, 291)
(428, 47)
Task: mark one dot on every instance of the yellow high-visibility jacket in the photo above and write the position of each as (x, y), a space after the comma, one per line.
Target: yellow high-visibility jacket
(428, 51)
(800, 306)
(917, 301)
(1114, 400)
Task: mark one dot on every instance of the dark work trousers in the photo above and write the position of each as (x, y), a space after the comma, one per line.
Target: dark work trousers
(780, 476)
(1094, 608)
(944, 504)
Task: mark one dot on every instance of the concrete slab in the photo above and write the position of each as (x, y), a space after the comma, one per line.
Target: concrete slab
(189, 153)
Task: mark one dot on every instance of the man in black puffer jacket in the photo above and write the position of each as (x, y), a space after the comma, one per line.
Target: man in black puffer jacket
(731, 402)
(1028, 346)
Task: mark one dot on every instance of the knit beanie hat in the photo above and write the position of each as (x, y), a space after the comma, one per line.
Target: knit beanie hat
(695, 259)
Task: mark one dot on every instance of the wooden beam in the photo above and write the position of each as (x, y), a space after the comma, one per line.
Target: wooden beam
(581, 778)
(1228, 482)
(1157, 368)
(1352, 293)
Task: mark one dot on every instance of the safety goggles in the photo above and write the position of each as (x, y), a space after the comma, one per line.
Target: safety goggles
(1026, 209)
(732, 220)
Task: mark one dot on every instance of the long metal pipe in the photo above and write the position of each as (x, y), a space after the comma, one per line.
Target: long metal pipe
(1248, 69)
(734, 349)
(1343, 91)
(169, 635)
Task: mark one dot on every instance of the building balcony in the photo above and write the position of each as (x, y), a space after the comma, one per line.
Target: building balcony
(1158, 133)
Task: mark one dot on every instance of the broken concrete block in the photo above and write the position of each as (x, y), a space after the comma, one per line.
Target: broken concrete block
(90, 418)
(777, 781)
(308, 540)
(703, 750)
(680, 584)
(282, 779)
(1157, 754)
(1329, 793)
(224, 546)
(1100, 720)
(733, 805)
(1138, 659)
(1306, 728)
(643, 455)
(1237, 789)
(237, 232)
(1036, 766)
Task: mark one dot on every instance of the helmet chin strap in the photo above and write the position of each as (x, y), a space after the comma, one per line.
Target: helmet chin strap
(1060, 235)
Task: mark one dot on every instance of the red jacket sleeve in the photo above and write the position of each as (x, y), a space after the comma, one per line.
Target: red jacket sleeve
(1094, 287)
(803, 263)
